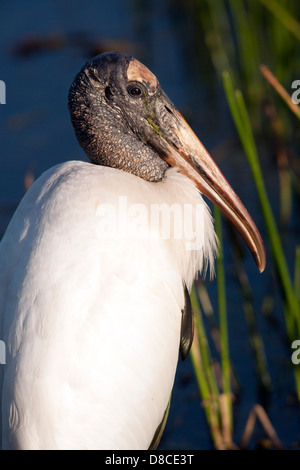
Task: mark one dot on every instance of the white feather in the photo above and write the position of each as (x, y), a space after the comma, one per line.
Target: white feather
(92, 322)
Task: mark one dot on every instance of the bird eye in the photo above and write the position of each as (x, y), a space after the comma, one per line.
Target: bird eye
(108, 93)
(134, 91)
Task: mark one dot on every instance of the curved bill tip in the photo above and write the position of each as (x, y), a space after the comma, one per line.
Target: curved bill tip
(258, 252)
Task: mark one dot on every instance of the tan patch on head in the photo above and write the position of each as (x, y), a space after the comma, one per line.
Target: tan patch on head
(137, 72)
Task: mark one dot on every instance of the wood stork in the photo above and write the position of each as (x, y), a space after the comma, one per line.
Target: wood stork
(93, 296)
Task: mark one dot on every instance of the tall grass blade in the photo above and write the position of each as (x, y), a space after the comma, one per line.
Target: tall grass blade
(280, 90)
(224, 343)
(205, 377)
(297, 275)
(283, 16)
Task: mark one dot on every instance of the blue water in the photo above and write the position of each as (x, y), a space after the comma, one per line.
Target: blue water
(36, 134)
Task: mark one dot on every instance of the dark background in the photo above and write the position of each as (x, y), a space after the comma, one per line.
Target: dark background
(42, 46)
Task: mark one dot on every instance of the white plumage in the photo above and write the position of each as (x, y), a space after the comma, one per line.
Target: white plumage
(89, 318)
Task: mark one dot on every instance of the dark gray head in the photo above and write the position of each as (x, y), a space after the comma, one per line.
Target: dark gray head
(117, 107)
(123, 119)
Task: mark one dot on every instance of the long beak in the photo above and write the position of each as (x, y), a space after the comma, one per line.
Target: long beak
(188, 154)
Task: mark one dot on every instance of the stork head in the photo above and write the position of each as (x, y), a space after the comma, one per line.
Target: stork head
(123, 119)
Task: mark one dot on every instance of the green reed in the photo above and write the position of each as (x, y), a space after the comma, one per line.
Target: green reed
(215, 391)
